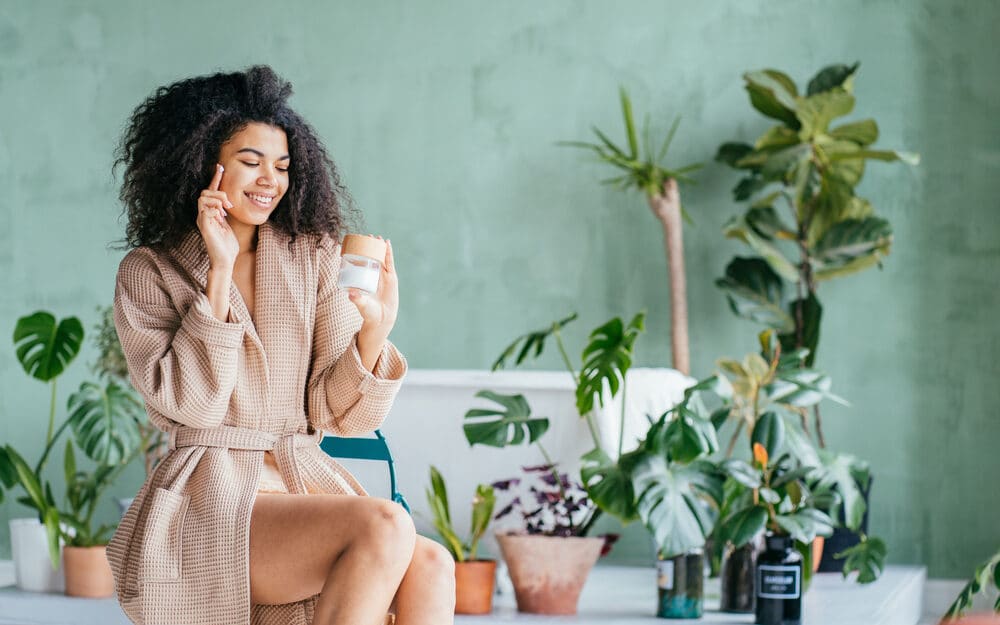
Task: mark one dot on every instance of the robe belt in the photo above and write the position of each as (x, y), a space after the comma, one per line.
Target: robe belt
(284, 446)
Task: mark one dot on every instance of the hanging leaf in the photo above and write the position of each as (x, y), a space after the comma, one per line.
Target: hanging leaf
(863, 133)
(514, 423)
(773, 93)
(739, 228)
(756, 292)
(606, 359)
(44, 348)
(532, 341)
(609, 483)
(867, 558)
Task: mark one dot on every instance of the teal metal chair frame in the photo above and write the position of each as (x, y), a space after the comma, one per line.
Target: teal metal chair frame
(365, 449)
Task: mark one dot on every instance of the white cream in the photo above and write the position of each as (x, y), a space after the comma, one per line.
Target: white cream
(359, 272)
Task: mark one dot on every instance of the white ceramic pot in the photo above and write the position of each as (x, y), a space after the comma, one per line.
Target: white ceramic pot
(32, 566)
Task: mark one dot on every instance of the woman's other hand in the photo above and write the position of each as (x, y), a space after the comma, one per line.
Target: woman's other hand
(220, 240)
(378, 310)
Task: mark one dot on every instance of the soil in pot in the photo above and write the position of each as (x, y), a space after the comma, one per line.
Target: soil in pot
(474, 581)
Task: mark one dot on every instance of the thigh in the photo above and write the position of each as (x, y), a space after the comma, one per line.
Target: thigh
(295, 539)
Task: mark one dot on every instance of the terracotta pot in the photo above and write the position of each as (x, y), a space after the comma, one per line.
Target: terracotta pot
(474, 582)
(88, 573)
(548, 572)
(817, 552)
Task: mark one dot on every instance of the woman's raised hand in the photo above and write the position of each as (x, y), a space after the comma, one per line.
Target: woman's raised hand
(378, 310)
(220, 240)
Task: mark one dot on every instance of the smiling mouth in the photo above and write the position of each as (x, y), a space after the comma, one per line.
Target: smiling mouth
(261, 200)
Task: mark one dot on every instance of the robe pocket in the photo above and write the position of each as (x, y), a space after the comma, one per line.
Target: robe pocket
(160, 559)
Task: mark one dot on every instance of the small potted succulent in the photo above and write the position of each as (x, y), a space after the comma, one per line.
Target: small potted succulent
(474, 577)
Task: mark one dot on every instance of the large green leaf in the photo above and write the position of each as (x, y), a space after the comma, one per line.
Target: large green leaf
(756, 292)
(609, 483)
(607, 358)
(29, 481)
(506, 426)
(532, 341)
(106, 421)
(850, 246)
(730, 153)
(815, 112)
(863, 133)
(867, 558)
(738, 228)
(773, 93)
(673, 502)
(689, 436)
(482, 513)
(45, 348)
(797, 441)
(807, 313)
(766, 223)
(769, 431)
(742, 472)
(742, 526)
(910, 158)
(805, 524)
(831, 77)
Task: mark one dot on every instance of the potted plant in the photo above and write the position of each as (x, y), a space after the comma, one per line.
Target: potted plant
(677, 491)
(805, 224)
(646, 173)
(549, 558)
(104, 419)
(474, 577)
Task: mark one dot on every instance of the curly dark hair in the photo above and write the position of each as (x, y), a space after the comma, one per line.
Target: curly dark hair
(172, 143)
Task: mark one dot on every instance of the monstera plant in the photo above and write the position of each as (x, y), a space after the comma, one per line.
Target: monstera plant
(104, 419)
(805, 224)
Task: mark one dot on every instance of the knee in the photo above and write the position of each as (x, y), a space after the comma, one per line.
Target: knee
(435, 565)
(390, 529)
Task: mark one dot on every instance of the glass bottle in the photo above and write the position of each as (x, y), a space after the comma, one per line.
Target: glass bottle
(680, 585)
(361, 262)
(779, 583)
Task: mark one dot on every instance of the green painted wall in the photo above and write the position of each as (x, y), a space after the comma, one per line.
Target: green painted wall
(443, 117)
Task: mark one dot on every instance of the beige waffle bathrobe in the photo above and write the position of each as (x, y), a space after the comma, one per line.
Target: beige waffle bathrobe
(226, 393)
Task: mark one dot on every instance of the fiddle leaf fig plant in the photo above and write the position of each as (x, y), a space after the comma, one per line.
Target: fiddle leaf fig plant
(804, 224)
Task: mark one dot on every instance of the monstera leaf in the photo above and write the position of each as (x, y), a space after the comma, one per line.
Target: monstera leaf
(674, 501)
(607, 358)
(532, 341)
(45, 348)
(609, 483)
(105, 421)
(506, 426)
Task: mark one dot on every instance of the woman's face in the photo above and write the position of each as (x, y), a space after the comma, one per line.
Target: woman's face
(256, 165)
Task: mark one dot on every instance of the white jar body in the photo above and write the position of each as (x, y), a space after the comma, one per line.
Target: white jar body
(359, 272)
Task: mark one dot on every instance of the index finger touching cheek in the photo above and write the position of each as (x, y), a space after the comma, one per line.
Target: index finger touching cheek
(217, 178)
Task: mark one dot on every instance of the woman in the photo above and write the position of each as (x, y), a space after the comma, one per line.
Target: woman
(245, 350)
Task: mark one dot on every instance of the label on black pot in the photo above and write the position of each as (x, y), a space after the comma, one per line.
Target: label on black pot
(778, 582)
(665, 574)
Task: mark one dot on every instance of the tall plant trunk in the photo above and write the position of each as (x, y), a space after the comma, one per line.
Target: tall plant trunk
(667, 208)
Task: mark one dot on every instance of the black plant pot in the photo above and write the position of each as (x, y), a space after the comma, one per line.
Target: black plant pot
(737, 579)
(843, 538)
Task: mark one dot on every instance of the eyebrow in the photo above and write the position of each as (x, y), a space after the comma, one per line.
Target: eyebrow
(261, 154)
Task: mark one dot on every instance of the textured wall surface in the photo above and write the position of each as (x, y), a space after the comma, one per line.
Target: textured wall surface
(444, 116)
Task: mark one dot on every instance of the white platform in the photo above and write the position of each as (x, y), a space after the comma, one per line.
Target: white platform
(613, 594)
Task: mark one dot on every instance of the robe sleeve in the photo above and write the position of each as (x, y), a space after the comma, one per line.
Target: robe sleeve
(184, 364)
(343, 397)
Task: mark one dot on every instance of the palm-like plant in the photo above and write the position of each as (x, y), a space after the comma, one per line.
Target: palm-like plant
(643, 169)
(482, 512)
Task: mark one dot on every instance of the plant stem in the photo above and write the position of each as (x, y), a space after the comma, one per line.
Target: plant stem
(589, 523)
(819, 427)
(565, 357)
(732, 441)
(621, 423)
(49, 446)
(555, 472)
(52, 413)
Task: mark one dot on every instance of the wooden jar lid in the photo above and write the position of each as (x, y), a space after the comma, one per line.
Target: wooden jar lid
(364, 245)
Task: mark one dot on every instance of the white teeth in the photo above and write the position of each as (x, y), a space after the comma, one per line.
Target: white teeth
(262, 199)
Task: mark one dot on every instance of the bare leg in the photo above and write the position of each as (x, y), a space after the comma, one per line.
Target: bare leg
(427, 593)
(351, 550)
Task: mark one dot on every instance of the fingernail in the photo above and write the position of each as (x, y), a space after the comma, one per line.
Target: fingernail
(229, 204)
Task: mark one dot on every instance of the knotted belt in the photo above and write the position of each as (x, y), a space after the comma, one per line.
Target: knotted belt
(283, 446)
